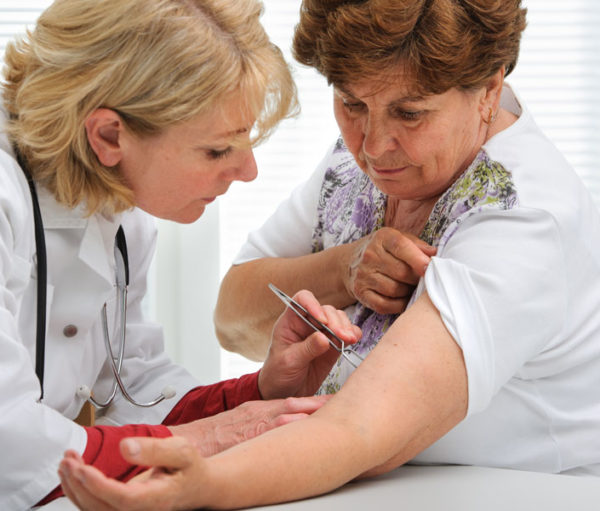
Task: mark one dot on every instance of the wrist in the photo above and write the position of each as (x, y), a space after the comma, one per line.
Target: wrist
(260, 383)
(264, 383)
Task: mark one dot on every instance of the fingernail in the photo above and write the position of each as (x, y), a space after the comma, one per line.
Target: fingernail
(132, 447)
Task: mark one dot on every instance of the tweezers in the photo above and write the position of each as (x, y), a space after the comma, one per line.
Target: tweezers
(318, 326)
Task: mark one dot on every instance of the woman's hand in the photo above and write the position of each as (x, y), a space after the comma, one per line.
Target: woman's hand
(384, 268)
(212, 435)
(176, 482)
(299, 358)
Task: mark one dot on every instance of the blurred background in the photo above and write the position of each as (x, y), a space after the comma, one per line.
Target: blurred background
(558, 77)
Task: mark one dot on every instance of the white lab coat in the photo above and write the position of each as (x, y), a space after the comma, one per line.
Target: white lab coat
(81, 278)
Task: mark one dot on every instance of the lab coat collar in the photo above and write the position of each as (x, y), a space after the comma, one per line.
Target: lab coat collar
(96, 248)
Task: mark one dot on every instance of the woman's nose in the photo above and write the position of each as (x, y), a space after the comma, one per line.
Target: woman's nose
(378, 139)
(250, 170)
(246, 170)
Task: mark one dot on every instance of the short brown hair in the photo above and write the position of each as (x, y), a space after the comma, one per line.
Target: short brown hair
(441, 43)
(155, 62)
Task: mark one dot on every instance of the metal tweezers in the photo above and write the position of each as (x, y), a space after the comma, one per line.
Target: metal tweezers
(314, 323)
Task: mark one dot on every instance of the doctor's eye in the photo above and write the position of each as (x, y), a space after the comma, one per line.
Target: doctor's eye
(216, 154)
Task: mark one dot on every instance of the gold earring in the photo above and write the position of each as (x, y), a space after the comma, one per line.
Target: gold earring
(491, 117)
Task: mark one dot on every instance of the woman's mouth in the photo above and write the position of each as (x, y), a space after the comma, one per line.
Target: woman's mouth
(388, 171)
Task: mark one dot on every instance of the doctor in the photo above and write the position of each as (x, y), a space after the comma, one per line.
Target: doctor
(116, 110)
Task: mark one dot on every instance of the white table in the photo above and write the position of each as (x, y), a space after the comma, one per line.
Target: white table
(458, 488)
(447, 488)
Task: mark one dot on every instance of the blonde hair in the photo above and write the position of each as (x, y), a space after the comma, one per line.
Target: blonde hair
(442, 44)
(154, 62)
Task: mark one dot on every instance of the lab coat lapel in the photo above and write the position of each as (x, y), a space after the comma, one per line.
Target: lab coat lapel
(97, 240)
(95, 246)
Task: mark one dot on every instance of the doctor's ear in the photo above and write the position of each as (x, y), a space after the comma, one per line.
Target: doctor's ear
(104, 128)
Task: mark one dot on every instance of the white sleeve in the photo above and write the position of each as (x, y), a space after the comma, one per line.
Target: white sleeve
(500, 287)
(288, 231)
(34, 436)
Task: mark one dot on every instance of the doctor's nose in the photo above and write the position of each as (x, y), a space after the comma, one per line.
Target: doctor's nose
(247, 169)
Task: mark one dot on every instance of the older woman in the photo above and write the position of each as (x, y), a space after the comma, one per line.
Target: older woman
(116, 109)
(496, 360)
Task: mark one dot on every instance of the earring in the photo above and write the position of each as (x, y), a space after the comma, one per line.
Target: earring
(491, 117)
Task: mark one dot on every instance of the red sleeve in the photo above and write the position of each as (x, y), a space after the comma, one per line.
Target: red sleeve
(102, 449)
(212, 399)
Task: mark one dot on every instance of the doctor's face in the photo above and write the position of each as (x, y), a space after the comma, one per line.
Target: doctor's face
(176, 174)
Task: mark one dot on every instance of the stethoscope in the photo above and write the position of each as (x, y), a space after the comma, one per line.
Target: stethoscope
(122, 282)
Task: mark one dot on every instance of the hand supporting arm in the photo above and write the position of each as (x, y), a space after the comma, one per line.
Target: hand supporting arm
(408, 393)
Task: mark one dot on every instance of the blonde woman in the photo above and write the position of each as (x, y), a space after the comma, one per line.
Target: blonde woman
(113, 111)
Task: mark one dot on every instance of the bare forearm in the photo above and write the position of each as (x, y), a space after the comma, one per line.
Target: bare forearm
(246, 309)
(316, 461)
(408, 393)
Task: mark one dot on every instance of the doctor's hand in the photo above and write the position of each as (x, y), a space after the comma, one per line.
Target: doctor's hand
(177, 481)
(382, 269)
(212, 435)
(299, 358)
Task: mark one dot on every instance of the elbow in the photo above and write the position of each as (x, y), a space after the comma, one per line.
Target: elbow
(225, 329)
(226, 335)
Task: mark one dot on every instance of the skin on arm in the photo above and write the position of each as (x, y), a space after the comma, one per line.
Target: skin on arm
(409, 392)
(380, 270)
(298, 361)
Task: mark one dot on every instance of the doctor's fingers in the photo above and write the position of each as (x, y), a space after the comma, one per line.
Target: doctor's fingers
(336, 320)
(173, 453)
(75, 490)
(93, 491)
(339, 322)
(279, 412)
(254, 412)
(281, 420)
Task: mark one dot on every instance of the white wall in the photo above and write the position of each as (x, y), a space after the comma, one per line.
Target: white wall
(183, 292)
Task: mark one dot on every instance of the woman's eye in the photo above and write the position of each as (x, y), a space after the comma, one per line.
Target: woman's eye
(216, 154)
(354, 107)
(408, 115)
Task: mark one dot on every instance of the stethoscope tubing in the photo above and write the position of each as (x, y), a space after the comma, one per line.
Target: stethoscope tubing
(122, 262)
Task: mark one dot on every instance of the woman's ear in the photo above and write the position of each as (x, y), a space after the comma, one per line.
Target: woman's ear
(490, 101)
(104, 128)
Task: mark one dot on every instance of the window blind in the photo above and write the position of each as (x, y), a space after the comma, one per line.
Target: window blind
(16, 15)
(558, 75)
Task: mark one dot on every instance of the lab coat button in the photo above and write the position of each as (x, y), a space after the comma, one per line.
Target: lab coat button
(70, 331)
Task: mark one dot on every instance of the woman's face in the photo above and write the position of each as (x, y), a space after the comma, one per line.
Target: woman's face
(176, 174)
(412, 148)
